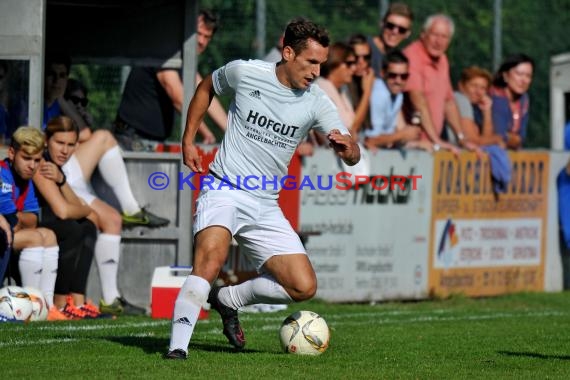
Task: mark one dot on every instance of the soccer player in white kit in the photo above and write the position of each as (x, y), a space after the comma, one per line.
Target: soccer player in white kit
(273, 109)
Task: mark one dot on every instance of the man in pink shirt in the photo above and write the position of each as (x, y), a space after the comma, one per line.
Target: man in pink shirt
(429, 85)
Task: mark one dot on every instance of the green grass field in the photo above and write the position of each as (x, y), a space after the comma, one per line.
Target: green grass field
(524, 336)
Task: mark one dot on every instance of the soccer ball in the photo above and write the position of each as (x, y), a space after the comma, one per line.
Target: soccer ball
(39, 304)
(15, 303)
(304, 333)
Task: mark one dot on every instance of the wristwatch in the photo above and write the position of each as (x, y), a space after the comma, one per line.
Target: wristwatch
(461, 136)
(63, 181)
(436, 147)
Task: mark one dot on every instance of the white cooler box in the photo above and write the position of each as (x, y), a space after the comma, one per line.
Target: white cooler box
(166, 283)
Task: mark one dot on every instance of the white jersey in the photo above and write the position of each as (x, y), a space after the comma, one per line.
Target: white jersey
(266, 122)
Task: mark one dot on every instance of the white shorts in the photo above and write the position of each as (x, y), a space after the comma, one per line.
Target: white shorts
(77, 181)
(258, 225)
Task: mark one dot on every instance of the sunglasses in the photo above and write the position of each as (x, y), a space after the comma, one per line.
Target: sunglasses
(403, 76)
(391, 26)
(365, 57)
(350, 63)
(77, 100)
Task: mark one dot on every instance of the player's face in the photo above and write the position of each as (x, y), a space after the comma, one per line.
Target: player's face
(395, 77)
(23, 163)
(518, 78)
(395, 29)
(56, 81)
(303, 68)
(475, 89)
(437, 38)
(203, 35)
(61, 146)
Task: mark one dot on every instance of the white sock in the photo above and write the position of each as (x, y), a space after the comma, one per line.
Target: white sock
(49, 273)
(114, 173)
(107, 253)
(191, 297)
(30, 265)
(262, 289)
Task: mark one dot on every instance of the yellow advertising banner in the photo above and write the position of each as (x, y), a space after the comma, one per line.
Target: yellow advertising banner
(483, 243)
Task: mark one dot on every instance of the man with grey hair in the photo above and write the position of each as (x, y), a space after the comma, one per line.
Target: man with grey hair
(429, 86)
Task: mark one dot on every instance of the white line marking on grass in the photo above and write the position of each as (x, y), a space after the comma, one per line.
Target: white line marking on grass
(12, 343)
(57, 326)
(345, 319)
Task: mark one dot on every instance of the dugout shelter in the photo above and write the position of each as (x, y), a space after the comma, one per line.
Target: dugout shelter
(119, 32)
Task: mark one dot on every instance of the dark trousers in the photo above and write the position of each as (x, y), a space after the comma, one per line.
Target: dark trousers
(76, 240)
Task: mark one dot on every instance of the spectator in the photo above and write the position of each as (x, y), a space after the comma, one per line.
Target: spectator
(389, 129)
(474, 104)
(64, 213)
(37, 247)
(74, 104)
(510, 99)
(102, 152)
(110, 164)
(563, 186)
(336, 73)
(361, 85)
(429, 85)
(394, 28)
(151, 97)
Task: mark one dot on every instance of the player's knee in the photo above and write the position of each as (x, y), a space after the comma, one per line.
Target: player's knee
(209, 258)
(304, 291)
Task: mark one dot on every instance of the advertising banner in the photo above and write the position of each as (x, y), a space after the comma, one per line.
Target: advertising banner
(483, 243)
(368, 234)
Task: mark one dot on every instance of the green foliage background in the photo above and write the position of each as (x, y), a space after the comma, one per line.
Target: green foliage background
(537, 28)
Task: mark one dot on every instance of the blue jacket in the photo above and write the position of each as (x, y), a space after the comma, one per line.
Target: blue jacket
(15, 196)
(503, 116)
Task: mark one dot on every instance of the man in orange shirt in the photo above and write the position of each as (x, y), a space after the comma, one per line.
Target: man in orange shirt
(429, 85)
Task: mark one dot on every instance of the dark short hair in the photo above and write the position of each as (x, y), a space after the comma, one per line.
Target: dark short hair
(210, 19)
(510, 62)
(394, 56)
(300, 30)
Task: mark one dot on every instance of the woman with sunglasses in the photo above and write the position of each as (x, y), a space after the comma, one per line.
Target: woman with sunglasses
(362, 80)
(395, 27)
(336, 73)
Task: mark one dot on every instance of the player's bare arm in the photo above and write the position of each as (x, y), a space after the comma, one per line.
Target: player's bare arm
(345, 147)
(196, 112)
